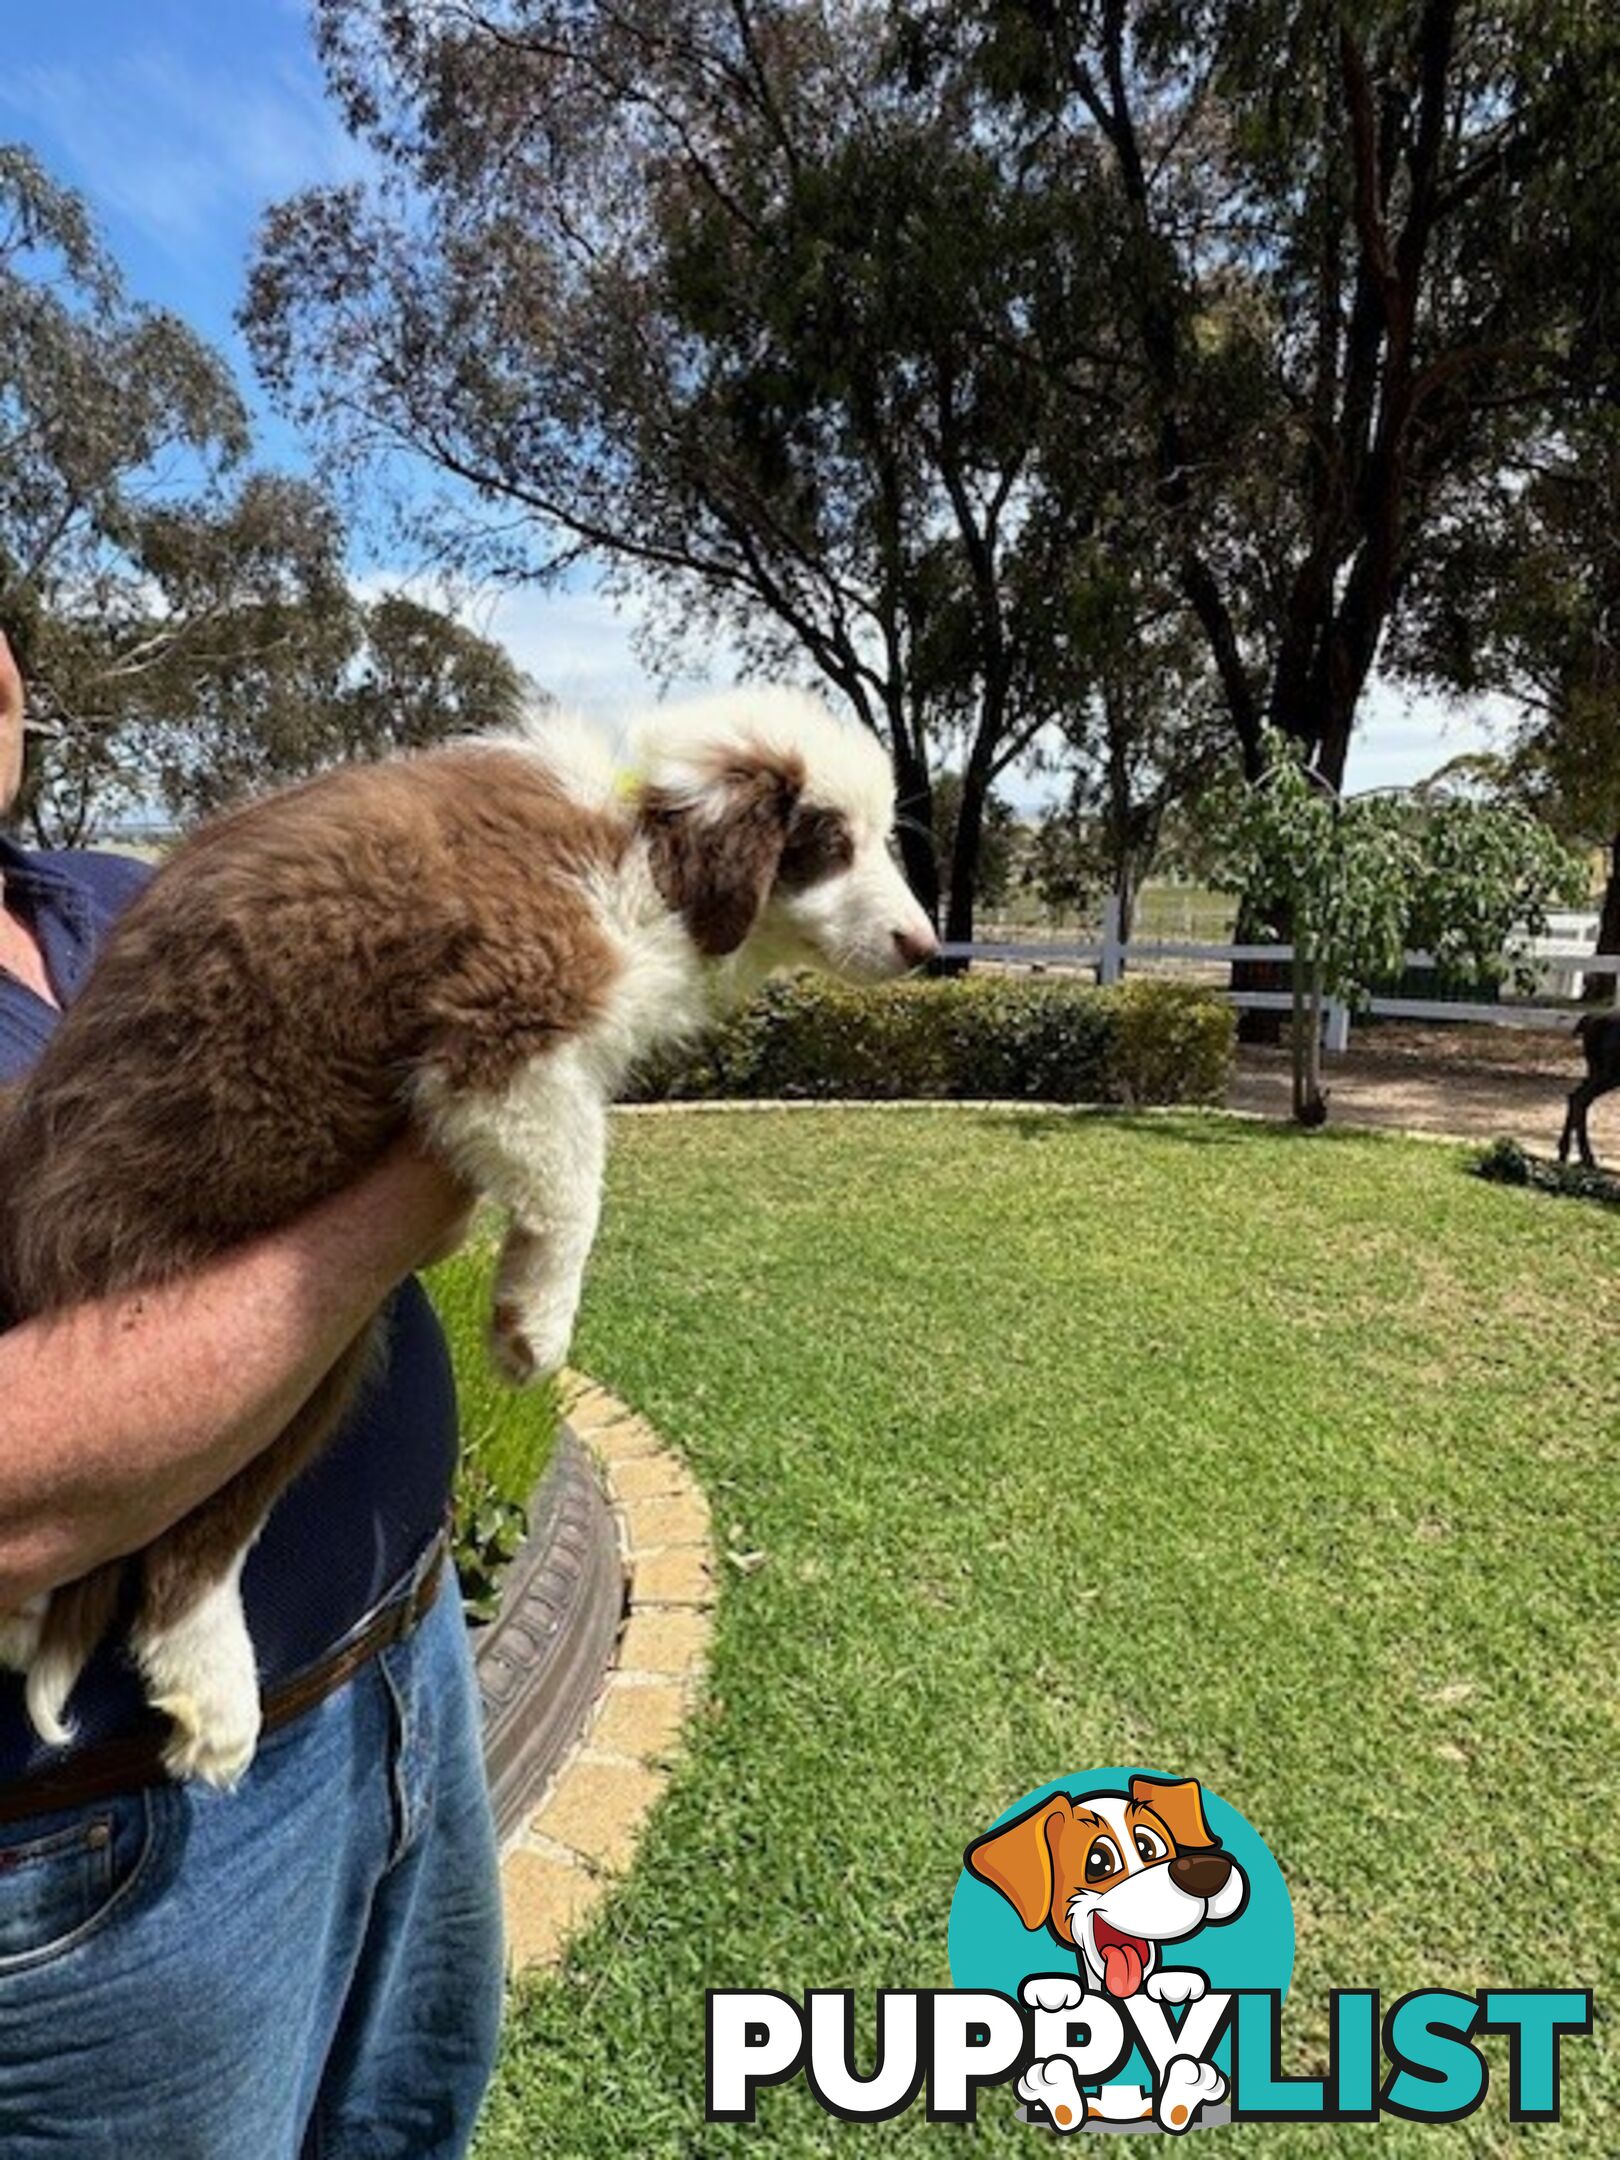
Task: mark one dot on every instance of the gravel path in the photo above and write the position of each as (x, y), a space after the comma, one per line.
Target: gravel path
(1467, 1082)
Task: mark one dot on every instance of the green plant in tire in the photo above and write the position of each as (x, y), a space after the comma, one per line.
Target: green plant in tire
(489, 1530)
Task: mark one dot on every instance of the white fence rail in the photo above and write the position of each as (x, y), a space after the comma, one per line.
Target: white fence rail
(1560, 966)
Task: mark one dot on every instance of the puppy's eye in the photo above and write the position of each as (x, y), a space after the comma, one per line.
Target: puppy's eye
(1150, 1845)
(1102, 1859)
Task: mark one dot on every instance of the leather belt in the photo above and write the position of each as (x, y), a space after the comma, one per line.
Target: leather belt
(135, 1759)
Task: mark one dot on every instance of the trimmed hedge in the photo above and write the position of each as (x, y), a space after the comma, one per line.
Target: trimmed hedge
(1008, 1037)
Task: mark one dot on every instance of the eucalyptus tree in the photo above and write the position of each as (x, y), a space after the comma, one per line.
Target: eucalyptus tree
(1523, 602)
(715, 294)
(846, 330)
(184, 618)
(346, 678)
(1364, 252)
(141, 560)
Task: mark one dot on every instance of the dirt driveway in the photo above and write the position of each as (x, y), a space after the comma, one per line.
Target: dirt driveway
(1471, 1082)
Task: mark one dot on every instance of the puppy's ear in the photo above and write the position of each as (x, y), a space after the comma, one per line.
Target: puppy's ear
(1179, 1805)
(715, 851)
(1017, 1860)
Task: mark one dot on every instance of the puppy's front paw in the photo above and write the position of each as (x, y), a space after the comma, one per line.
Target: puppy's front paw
(1188, 2086)
(214, 1745)
(20, 1632)
(525, 1347)
(1053, 1991)
(1054, 2084)
(1177, 1984)
(200, 1673)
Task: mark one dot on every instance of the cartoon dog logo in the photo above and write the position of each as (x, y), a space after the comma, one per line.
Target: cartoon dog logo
(1112, 1876)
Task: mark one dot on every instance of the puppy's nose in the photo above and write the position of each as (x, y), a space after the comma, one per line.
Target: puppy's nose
(1200, 1874)
(915, 947)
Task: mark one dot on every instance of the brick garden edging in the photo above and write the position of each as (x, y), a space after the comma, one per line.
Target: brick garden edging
(581, 1831)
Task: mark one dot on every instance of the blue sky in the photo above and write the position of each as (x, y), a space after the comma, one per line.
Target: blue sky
(180, 121)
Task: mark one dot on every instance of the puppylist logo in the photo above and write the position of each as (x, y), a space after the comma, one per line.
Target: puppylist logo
(1121, 1942)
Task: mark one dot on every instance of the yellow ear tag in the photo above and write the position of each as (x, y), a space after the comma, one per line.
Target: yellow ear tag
(628, 784)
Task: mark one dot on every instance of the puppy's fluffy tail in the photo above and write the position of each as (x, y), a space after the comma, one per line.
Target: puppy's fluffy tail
(80, 1614)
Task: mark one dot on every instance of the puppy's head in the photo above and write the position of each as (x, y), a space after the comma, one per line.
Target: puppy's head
(769, 824)
(1113, 1875)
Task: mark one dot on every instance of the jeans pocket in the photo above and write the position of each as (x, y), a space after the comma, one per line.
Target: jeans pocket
(61, 1874)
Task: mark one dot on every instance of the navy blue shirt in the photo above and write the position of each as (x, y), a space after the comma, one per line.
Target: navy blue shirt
(346, 1531)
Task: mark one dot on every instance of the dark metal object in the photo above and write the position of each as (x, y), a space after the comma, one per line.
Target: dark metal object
(1600, 1042)
(541, 1660)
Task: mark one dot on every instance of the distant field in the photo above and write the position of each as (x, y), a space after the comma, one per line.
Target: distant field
(1163, 910)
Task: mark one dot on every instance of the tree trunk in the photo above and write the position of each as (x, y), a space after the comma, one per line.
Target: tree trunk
(1296, 1033)
(1603, 989)
(1125, 892)
(965, 846)
(1331, 750)
(1315, 1111)
(1305, 979)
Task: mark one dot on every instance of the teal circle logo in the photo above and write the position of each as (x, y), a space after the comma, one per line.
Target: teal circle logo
(1117, 1876)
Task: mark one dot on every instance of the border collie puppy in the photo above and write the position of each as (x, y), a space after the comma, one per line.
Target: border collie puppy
(477, 943)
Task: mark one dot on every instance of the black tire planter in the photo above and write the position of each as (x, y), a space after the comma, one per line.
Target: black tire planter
(542, 1659)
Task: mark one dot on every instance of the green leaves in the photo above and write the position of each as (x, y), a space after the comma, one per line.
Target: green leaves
(1486, 872)
(1359, 881)
(489, 1530)
(185, 621)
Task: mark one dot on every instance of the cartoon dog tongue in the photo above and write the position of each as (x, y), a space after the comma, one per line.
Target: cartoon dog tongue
(1122, 1965)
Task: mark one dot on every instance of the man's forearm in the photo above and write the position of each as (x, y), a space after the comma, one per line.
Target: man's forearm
(118, 1417)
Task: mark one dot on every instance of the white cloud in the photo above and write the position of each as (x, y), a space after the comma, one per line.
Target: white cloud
(578, 643)
(185, 152)
(574, 641)
(1404, 736)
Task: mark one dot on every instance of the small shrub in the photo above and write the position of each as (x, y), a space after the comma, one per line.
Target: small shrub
(1004, 1037)
(1173, 1043)
(1504, 1162)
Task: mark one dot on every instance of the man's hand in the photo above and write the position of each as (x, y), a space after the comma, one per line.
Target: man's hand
(11, 725)
(121, 1415)
(454, 1235)
(435, 1209)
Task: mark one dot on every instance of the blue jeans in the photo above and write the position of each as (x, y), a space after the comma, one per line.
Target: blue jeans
(308, 1968)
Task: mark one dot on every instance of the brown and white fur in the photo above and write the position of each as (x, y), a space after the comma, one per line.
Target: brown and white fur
(477, 943)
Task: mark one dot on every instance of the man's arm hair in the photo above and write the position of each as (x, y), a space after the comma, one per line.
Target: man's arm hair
(121, 1415)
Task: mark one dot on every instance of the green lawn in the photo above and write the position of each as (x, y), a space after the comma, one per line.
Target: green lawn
(1283, 1461)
